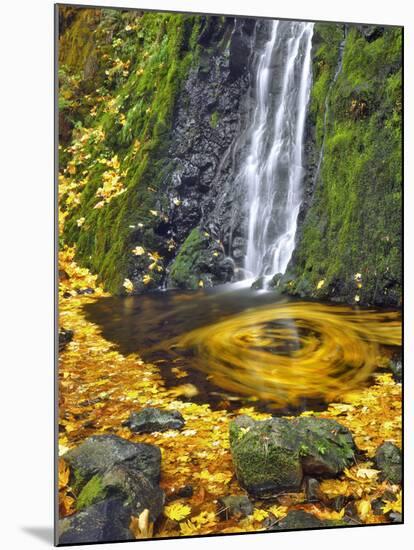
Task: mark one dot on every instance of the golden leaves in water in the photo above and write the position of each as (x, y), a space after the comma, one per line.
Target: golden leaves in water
(293, 350)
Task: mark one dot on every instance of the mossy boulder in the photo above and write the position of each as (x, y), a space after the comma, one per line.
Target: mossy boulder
(388, 459)
(100, 453)
(273, 455)
(127, 483)
(199, 263)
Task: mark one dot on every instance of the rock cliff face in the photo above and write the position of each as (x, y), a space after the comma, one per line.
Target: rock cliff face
(349, 238)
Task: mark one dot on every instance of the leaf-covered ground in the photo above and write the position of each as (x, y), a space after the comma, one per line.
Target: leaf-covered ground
(99, 387)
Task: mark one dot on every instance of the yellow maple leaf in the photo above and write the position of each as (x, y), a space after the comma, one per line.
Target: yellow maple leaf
(63, 473)
(394, 505)
(138, 251)
(364, 508)
(146, 279)
(128, 285)
(278, 511)
(177, 511)
(259, 515)
(367, 473)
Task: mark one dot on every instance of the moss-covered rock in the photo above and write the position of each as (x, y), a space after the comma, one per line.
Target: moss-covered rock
(92, 492)
(273, 455)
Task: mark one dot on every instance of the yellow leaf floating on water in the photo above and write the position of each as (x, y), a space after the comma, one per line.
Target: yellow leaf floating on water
(177, 511)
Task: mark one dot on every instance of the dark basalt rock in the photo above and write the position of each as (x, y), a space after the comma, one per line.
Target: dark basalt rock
(313, 491)
(100, 453)
(86, 290)
(396, 367)
(298, 519)
(152, 419)
(208, 117)
(65, 336)
(105, 521)
(127, 483)
(272, 456)
(388, 459)
(186, 491)
(239, 506)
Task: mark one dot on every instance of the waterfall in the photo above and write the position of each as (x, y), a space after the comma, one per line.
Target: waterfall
(272, 171)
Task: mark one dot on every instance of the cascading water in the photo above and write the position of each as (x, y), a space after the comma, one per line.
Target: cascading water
(273, 170)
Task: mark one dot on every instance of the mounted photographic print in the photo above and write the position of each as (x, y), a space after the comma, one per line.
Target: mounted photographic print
(229, 295)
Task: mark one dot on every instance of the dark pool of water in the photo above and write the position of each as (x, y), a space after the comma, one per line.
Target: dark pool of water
(152, 323)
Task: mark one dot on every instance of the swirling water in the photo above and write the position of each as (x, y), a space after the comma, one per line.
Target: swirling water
(252, 345)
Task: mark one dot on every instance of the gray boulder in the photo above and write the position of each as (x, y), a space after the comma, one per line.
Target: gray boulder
(151, 419)
(298, 519)
(105, 521)
(100, 453)
(235, 505)
(130, 485)
(388, 459)
(272, 456)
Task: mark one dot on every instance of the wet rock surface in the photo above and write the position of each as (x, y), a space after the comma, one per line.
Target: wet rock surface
(99, 453)
(388, 459)
(65, 336)
(105, 521)
(273, 455)
(151, 419)
(298, 519)
(234, 505)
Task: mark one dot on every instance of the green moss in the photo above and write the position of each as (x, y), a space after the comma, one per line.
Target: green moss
(136, 119)
(184, 272)
(92, 492)
(261, 465)
(354, 223)
(214, 119)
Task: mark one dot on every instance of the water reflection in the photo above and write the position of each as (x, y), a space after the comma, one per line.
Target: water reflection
(252, 344)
